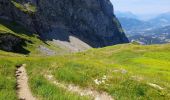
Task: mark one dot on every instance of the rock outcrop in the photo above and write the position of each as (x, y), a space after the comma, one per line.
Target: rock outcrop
(92, 21)
(12, 43)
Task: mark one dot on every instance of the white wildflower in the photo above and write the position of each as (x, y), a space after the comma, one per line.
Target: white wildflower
(103, 81)
(97, 81)
(104, 77)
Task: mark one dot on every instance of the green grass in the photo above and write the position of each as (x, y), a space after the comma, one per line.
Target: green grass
(26, 8)
(40, 87)
(96, 63)
(7, 80)
(83, 68)
(142, 65)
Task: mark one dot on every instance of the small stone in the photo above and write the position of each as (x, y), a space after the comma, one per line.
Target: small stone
(124, 71)
(155, 86)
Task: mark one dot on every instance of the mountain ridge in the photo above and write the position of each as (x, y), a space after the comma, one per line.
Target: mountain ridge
(89, 20)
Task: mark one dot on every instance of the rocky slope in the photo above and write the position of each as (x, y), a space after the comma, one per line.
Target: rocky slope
(12, 43)
(92, 21)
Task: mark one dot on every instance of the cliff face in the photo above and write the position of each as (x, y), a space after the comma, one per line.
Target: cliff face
(92, 21)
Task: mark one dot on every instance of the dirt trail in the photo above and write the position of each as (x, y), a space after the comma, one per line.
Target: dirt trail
(83, 92)
(23, 90)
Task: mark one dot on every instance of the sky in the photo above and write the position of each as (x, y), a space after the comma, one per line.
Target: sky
(142, 7)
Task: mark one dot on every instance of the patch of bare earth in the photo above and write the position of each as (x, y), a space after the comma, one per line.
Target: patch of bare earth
(155, 86)
(82, 92)
(23, 90)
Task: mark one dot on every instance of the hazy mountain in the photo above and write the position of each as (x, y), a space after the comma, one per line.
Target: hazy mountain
(153, 31)
(125, 14)
(133, 26)
(161, 20)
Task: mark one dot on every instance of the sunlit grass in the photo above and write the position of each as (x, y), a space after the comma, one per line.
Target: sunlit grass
(7, 80)
(26, 8)
(128, 68)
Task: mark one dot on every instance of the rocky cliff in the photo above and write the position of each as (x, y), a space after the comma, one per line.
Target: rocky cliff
(92, 21)
(12, 43)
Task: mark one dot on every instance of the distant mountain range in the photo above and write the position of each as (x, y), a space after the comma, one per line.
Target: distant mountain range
(161, 20)
(153, 31)
(126, 14)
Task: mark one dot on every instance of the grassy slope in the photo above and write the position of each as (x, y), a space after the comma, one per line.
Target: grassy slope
(128, 68)
(7, 80)
(142, 65)
(35, 42)
(15, 29)
(41, 88)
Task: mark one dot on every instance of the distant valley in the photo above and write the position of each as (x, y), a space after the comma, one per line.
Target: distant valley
(153, 31)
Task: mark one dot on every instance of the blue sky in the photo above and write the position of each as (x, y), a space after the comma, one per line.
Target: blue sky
(142, 7)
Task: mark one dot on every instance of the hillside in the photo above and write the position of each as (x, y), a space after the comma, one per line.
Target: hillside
(123, 71)
(16, 38)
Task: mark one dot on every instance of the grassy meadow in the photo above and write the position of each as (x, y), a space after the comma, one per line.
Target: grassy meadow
(126, 71)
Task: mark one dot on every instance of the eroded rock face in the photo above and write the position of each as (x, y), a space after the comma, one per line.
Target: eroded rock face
(12, 43)
(92, 21)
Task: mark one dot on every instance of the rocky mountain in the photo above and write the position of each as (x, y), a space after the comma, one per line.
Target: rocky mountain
(91, 21)
(133, 26)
